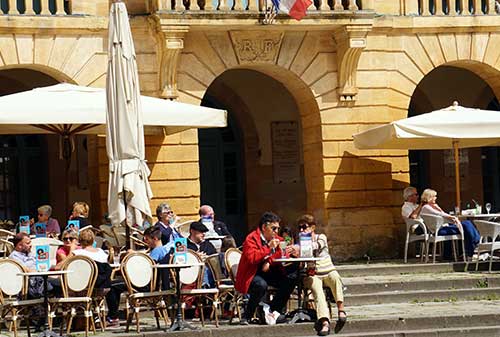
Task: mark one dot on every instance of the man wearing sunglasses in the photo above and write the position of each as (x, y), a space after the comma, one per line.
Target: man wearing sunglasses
(166, 221)
(256, 271)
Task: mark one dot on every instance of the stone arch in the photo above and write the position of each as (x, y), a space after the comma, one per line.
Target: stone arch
(419, 54)
(207, 55)
(79, 59)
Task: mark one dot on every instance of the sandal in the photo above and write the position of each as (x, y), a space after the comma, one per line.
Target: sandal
(320, 324)
(340, 322)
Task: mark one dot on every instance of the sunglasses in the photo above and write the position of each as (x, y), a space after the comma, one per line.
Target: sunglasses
(168, 212)
(275, 228)
(303, 226)
(68, 239)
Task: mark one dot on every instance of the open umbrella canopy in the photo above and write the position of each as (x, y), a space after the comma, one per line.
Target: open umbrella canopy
(68, 109)
(449, 128)
(435, 130)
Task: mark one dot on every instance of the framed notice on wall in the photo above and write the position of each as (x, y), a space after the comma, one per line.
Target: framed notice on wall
(286, 156)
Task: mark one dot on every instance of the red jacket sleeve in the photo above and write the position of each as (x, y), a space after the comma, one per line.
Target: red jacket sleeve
(255, 252)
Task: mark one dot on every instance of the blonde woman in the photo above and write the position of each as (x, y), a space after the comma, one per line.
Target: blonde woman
(430, 207)
(324, 275)
(80, 212)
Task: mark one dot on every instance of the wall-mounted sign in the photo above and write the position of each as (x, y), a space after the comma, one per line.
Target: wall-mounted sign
(286, 156)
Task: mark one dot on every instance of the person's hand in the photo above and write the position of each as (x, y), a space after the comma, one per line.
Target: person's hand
(293, 250)
(202, 255)
(274, 243)
(266, 266)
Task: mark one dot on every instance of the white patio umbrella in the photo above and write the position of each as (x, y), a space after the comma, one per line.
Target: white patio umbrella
(129, 191)
(453, 127)
(68, 109)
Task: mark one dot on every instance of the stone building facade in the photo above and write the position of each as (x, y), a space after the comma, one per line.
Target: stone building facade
(296, 92)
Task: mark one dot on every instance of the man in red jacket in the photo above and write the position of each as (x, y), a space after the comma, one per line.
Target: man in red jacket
(256, 269)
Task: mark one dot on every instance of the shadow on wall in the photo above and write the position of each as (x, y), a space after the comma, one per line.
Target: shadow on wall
(364, 208)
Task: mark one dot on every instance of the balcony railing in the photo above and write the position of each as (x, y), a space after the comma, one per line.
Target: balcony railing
(456, 7)
(220, 6)
(35, 7)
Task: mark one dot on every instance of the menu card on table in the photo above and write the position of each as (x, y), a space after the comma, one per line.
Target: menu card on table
(73, 225)
(180, 250)
(24, 224)
(40, 230)
(306, 248)
(42, 258)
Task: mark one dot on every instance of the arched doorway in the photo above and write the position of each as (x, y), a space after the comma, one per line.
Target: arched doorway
(31, 172)
(479, 166)
(256, 163)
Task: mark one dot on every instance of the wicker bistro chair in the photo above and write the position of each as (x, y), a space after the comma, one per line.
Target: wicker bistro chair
(489, 232)
(194, 276)
(232, 260)
(77, 287)
(411, 225)
(224, 284)
(13, 291)
(434, 224)
(6, 247)
(139, 275)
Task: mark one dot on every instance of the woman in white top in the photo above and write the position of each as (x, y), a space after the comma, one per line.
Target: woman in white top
(471, 235)
(86, 239)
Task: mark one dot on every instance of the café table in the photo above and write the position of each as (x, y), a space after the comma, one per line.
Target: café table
(300, 314)
(45, 275)
(479, 216)
(179, 323)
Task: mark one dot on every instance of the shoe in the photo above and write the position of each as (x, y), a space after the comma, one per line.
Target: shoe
(244, 321)
(281, 319)
(320, 327)
(340, 322)
(112, 322)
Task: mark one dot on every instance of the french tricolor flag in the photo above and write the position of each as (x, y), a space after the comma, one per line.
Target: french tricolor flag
(295, 8)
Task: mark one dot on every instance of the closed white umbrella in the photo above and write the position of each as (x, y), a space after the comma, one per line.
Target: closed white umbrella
(129, 191)
(453, 127)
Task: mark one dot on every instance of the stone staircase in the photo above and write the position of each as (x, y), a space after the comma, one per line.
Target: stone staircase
(394, 299)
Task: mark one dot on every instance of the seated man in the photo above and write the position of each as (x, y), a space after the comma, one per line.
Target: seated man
(160, 254)
(22, 254)
(256, 270)
(196, 241)
(410, 208)
(215, 228)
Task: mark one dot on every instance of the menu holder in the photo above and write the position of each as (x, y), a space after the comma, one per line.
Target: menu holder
(40, 230)
(73, 225)
(180, 250)
(24, 224)
(306, 248)
(42, 258)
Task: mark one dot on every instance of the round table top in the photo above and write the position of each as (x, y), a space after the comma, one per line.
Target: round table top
(214, 237)
(45, 273)
(178, 265)
(491, 215)
(298, 259)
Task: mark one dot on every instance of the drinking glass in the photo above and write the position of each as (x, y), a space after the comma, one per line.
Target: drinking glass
(488, 207)
(283, 245)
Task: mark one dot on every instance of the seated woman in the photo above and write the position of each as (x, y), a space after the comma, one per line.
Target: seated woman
(323, 275)
(80, 212)
(70, 239)
(86, 239)
(52, 225)
(430, 207)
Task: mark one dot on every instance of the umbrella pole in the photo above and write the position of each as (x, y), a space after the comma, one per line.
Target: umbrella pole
(127, 228)
(457, 173)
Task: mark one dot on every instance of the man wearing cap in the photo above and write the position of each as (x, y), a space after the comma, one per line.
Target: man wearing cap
(196, 240)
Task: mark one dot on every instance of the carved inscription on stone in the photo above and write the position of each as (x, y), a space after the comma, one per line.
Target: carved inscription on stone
(254, 46)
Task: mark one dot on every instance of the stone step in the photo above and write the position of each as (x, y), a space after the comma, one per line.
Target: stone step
(398, 268)
(427, 281)
(486, 331)
(419, 296)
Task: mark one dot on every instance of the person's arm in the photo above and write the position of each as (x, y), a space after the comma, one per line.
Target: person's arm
(255, 253)
(416, 212)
